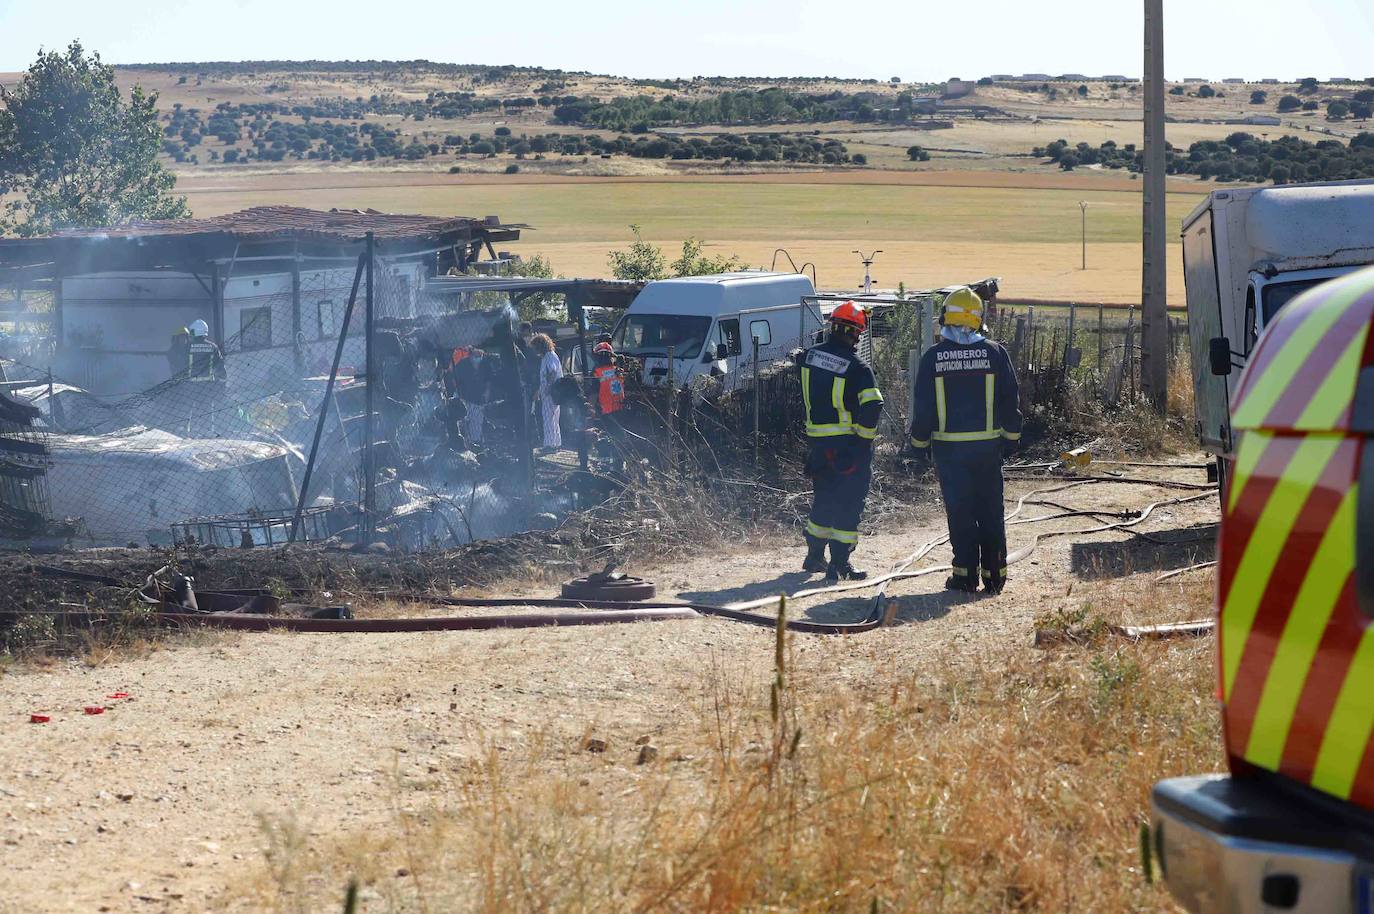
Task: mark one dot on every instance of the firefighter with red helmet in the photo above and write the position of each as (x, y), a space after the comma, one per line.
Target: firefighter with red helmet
(967, 412)
(842, 404)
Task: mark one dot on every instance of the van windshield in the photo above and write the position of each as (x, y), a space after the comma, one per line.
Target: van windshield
(652, 334)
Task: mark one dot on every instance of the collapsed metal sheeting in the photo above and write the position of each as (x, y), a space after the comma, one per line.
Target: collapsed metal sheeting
(135, 483)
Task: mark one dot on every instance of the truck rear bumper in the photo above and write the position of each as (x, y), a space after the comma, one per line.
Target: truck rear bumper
(1234, 847)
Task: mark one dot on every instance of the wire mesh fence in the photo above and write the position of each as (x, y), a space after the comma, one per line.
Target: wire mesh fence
(348, 400)
(330, 407)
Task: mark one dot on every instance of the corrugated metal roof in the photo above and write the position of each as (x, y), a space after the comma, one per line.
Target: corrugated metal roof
(263, 222)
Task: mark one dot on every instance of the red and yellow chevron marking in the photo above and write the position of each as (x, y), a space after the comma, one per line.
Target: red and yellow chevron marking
(1296, 653)
(1302, 375)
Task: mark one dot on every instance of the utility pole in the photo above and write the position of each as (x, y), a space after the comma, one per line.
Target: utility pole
(1154, 314)
(1083, 205)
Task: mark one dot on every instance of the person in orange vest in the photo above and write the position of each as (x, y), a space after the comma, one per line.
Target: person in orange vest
(610, 398)
(609, 380)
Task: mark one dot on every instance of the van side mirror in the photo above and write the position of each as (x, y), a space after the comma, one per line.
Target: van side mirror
(1219, 354)
(722, 352)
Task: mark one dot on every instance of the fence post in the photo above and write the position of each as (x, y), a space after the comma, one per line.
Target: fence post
(758, 393)
(1068, 346)
(1101, 340)
(668, 416)
(368, 526)
(325, 403)
(913, 365)
(920, 325)
(1030, 333)
(1129, 350)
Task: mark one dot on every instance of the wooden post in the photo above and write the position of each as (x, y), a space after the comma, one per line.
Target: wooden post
(1101, 340)
(1128, 350)
(758, 396)
(920, 325)
(668, 416)
(1068, 346)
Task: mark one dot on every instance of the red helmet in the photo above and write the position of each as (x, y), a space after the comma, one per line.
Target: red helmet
(603, 347)
(851, 315)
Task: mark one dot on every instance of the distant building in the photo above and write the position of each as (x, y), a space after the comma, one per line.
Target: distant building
(957, 88)
(1269, 82)
(1036, 77)
(1234, 81)
(1263, 120)
(1074, 77)
(1002, 77)
(1114, 78)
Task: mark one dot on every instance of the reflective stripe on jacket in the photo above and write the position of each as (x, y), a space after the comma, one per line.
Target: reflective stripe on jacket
(965, 393)
(611, 388)
(839, 392)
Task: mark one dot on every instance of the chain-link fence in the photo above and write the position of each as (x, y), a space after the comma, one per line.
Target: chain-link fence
(333, 406)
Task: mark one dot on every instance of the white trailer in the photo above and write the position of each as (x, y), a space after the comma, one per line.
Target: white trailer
(1246, 254)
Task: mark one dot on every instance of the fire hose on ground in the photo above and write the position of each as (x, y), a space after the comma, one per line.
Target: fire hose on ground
(251, 610)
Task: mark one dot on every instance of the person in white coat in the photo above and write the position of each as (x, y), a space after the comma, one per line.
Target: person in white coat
(550, 370)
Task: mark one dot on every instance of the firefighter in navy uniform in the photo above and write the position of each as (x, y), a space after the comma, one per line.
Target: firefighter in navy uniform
(967, 413)
(843, 404)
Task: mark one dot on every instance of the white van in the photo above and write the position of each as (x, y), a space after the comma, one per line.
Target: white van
(710, 323)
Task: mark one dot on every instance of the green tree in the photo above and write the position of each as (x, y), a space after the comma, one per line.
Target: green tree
(1290, 103)
(917, 154)
(1259, 97)
(643, 260)
(694, 263)
(1337, 110)
(74, 153)
(1205, 91)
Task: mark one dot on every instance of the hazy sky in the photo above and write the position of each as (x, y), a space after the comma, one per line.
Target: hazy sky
(881, 38)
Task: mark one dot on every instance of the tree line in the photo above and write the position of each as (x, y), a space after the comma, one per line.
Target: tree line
(1240, 157)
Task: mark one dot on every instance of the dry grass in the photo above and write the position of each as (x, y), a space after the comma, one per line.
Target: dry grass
(1015, 782)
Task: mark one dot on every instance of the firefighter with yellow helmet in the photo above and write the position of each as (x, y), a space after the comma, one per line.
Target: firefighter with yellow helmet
(967, 413)
(842, 404)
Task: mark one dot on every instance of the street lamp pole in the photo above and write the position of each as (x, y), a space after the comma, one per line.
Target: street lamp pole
(1083, 205)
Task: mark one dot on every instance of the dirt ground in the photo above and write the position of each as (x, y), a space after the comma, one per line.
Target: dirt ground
(163, 802)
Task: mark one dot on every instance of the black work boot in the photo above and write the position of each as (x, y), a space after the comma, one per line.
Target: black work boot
(839, 568)
(993, 584)
(968, 583)
(815, 555)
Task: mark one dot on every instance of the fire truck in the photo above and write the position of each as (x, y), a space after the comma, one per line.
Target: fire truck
(1291, 826)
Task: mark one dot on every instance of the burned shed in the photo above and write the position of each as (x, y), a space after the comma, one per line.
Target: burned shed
(138, 439)
(269, 280)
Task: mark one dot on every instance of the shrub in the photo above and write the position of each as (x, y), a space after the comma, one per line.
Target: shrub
(859, 159)
(502, 131)
(1176, 90)
(1337, 110)
(512, 169)
(1290, 103)
(917, 154)
(1259, 97)
(1205, 91)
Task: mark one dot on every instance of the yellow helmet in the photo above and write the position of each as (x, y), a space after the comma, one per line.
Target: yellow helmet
(962, 308)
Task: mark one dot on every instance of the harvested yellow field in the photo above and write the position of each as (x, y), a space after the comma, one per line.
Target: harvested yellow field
(964, 227)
